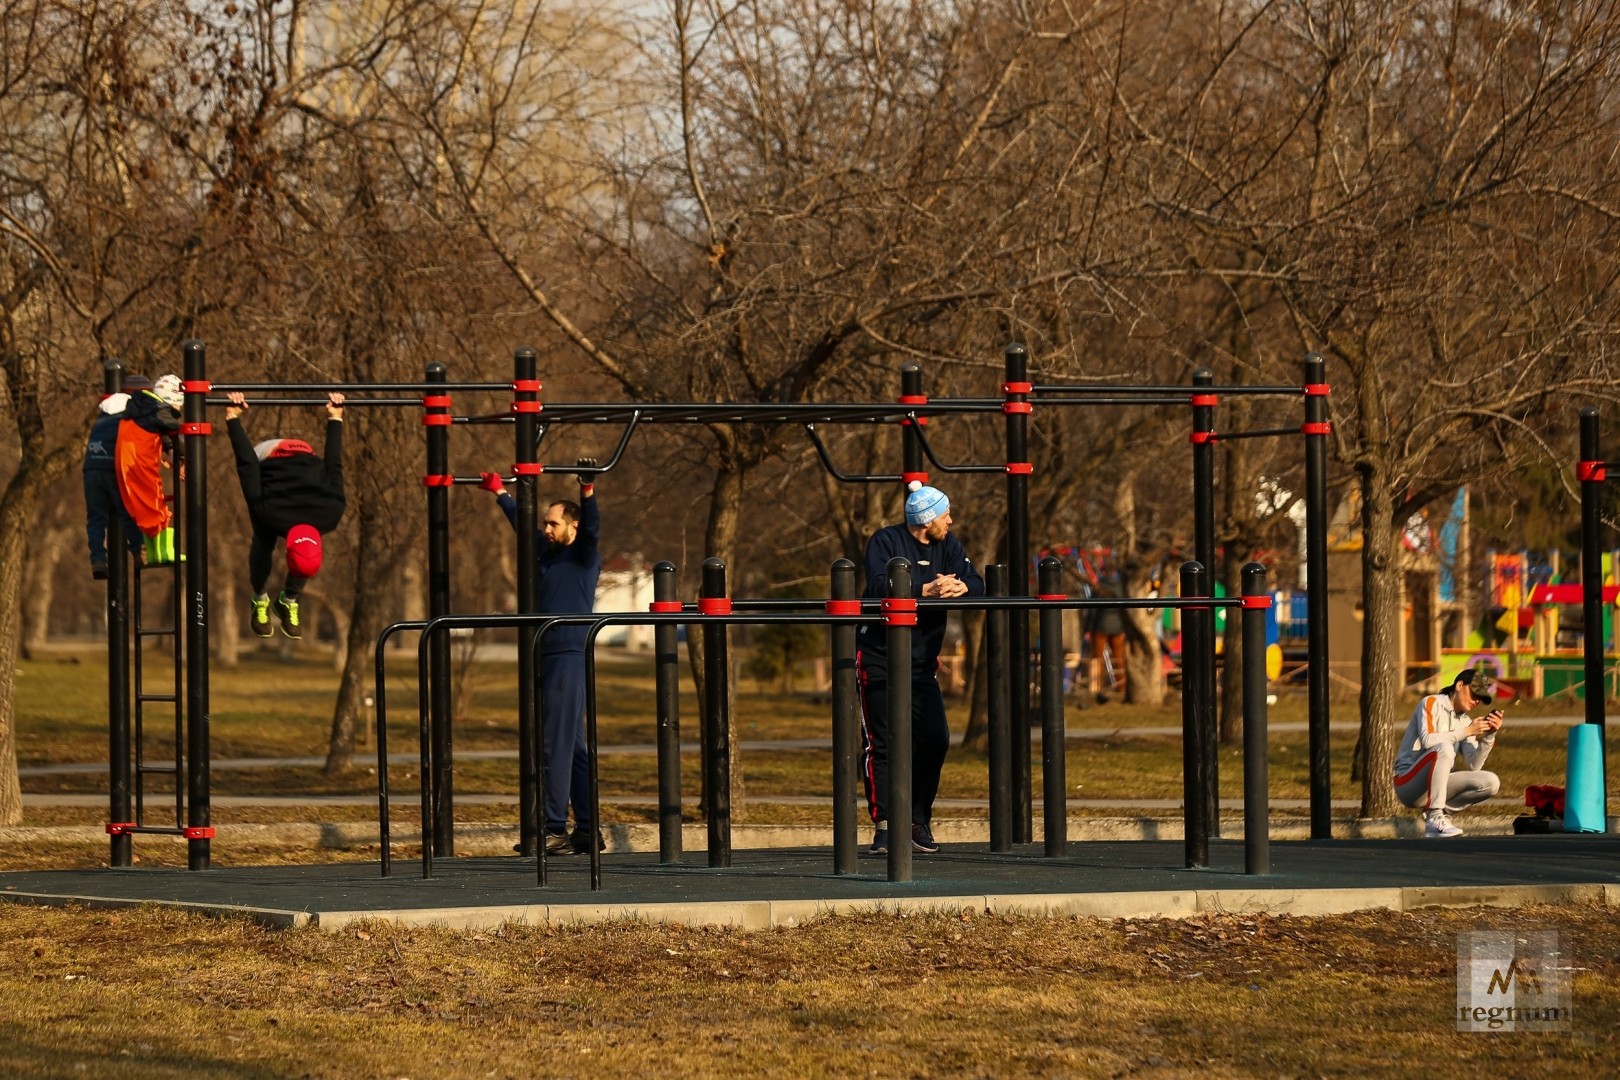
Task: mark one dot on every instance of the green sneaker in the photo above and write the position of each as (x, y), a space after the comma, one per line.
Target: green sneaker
(261, 616)
(287, 612)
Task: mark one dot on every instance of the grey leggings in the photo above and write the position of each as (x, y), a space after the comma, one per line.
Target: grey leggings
(1432, 784)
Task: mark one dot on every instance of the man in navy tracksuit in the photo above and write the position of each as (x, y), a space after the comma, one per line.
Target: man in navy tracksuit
(570, 562)
(101, 497)
(940, 568)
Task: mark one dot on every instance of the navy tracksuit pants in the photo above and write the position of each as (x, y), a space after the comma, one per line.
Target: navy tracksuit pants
(562, 734)
(101, 502)
(930, 737)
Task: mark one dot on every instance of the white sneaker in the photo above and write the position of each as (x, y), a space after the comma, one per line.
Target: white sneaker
(1438, 823)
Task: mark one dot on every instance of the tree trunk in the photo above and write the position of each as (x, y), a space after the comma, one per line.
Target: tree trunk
(41, 577)
(225, 583)
(1381, 676)
(1144, 660)
(377, 559)
(17, 509)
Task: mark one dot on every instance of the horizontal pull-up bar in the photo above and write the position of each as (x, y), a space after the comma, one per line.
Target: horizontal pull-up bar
(1166, 391)
(358, 402)
(363, 388)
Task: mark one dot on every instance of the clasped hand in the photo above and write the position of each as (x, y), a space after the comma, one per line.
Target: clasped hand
(945, 587)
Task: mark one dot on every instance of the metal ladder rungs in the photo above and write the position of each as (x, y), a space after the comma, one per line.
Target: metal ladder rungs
(161, 770)
(155, 631)
(164, 699)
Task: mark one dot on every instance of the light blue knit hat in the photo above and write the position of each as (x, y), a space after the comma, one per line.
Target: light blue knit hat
(924, 504)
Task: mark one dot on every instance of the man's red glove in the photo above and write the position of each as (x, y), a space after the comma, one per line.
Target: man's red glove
(491, 482)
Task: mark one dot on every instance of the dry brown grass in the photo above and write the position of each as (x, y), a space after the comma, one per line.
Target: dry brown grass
(156, 994)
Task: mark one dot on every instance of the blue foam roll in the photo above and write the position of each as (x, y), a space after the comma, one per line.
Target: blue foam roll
(1583, 781)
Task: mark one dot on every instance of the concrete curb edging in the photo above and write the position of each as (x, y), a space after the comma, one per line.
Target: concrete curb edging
(1175, 904)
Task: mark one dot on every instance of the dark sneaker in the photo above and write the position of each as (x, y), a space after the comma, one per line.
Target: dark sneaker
(260, 617)
(923, 840)
(287, 612)
(98, 571)
(880, 841)
(579, 840)
(558, 843)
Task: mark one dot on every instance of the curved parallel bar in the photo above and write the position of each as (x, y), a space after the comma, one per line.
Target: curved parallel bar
(426, 387)
(356, 402)
(1256, 787)
(846, 478)
(899, 625)
(1054, 746)
(380, 677)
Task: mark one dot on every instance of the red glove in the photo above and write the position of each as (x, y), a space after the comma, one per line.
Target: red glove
(491, 482)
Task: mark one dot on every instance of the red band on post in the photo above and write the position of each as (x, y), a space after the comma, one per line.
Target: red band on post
(198, 832)
(843, 607)
(922, 421)
(1257, 601)
(528, 468)
(1053, 596)
(121, 828)
(1317, 389)
(899, 611)
(714, 605)
(1017, 388)
(1019, 468)
(436, 401)
(526, 386)
(1201, 437)
(1017, 408)
(1591, 470)
(908, 477)
(196, 429)
(912, 399)
(196, 386)
(1205, 399)
(526, 406)
(432, 480)
(1320, 427)
(665, 607)
(437, 420)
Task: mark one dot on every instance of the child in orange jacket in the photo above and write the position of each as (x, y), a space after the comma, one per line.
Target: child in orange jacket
(151, 419)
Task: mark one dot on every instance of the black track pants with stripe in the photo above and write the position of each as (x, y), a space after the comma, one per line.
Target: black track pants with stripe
(930, 738)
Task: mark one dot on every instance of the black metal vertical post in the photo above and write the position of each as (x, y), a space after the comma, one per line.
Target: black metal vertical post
(1017, 408)
(1002, 803)
(436, 417)
(119, 811)
(900, 619)
(1592, 477)
(846, 718)
(667, 683)
(1054, 772)
(1316, 432)
(717, 712)
(194, 430)
(1203, 454)
(911, 453)
(1256, 798)
(1194, 779)
(526, 417)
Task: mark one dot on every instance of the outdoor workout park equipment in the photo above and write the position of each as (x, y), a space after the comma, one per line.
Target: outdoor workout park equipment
(913, 409)
(714, 611)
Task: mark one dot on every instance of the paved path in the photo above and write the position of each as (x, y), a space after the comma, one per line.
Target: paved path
(749, 745)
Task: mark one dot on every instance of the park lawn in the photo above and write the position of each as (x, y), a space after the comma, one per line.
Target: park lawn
(153, 993)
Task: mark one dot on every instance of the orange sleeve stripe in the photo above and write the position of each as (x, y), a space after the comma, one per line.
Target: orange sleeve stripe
(1428, 712)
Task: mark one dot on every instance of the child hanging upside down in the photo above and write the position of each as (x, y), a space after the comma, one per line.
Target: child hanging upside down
(291, 493)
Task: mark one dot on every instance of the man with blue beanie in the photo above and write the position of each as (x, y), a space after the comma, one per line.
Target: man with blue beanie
(940, 569)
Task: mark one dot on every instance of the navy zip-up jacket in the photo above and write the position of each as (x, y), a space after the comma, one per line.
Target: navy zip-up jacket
(928, 562)
(98, 451)
(567, 577)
